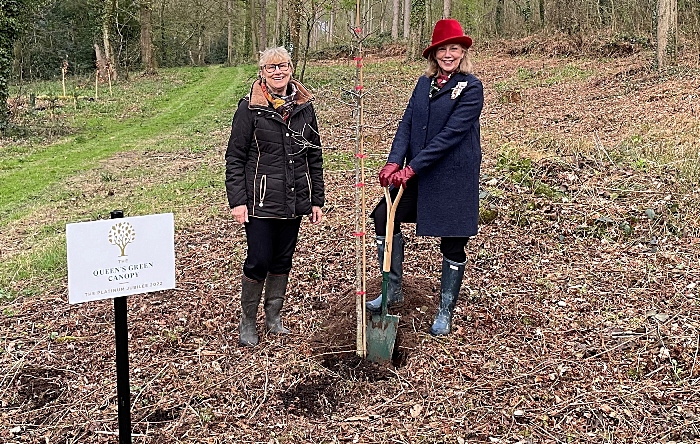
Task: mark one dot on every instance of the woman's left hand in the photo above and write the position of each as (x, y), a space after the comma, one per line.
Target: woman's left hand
(400, 178)
(316, 215)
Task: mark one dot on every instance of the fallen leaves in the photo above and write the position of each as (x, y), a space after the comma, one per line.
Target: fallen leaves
(578, 316)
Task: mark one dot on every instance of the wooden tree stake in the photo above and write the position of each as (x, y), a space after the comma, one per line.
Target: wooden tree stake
(360, 205)
(64, 69)
(109, 77)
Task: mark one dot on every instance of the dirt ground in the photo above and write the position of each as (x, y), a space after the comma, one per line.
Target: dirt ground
(578, 317)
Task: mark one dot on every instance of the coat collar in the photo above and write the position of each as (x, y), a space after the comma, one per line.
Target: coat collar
(257, 98)
(456, 78)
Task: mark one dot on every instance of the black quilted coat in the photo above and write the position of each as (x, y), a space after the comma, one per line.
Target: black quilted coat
(272, 166)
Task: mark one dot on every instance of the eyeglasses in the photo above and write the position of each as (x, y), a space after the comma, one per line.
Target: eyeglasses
(270, 67)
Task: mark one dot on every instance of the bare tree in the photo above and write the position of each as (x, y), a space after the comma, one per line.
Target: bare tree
(499, 17)
(229, 32)
(666, 33)
(147, 58)
(262, 22)
(418, 12)
(295, 29)
(446, 8)
(278, 22)
(10, 31)
(406, 19)
(254, 37)
(108, 18)
(101, 63)
(396, 7)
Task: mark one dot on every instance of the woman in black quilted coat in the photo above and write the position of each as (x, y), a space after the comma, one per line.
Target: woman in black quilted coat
(274, 176)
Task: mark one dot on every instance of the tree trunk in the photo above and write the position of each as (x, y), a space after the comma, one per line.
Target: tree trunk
(427, 20)
(263, 25)
(163, 44)
(295, 28)
(107, 20)
(9, 33)
(406, 19)
(542, 15)
(498, 19)
(147, 59)
(603, 8)
(395, 9)
(101, 63)
(310, 21)
(200, 47)
(278, 21)
(229, 33)
(368, 18)
(418, 11)
(253, 31)
(666, 33)
(446, 8)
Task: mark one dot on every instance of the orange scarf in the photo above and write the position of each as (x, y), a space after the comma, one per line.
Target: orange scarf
(282, 104)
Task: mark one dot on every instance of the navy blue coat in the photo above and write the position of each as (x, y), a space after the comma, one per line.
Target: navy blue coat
(439, 138)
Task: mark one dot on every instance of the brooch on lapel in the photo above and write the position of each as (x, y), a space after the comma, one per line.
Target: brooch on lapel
(457, 90)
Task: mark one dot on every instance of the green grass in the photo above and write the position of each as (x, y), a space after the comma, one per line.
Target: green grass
(180, 113)
(36, 269)
(193, 108)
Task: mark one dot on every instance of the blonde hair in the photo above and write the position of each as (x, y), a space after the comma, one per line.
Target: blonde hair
(465, 65)
(275, 55)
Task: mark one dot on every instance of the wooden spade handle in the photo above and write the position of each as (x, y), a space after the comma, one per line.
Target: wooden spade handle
(389, 237)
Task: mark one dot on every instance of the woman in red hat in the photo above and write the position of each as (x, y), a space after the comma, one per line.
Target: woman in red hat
(436, 157)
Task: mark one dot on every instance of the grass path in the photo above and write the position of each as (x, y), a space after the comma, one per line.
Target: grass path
(27, 178)
(133, 140)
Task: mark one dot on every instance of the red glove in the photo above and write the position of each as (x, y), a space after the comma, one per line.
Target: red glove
(399, 179)
(386, 172)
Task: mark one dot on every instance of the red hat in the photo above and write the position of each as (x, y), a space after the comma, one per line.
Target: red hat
(447, 31)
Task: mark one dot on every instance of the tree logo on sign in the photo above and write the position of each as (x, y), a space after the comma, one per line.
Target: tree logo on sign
(121, 235)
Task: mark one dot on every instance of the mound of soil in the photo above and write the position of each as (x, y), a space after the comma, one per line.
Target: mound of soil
(334, 342)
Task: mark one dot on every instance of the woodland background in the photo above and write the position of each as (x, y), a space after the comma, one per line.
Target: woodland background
(41, 39)
(579, 315)
(38, 36)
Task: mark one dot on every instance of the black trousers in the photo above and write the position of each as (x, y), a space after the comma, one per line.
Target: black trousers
(450, 247)
(271, 245)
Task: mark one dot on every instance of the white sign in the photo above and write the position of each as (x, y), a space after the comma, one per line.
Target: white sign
(120, 257)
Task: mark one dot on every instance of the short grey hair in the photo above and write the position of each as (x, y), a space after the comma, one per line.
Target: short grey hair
(275, 55)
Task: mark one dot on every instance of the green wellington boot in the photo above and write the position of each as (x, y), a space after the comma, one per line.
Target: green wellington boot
(251, 291)
(275, 288)
(394, 291)
(451, 281)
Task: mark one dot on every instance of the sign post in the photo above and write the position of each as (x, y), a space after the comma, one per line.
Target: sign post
(121, 337)
(110, 259)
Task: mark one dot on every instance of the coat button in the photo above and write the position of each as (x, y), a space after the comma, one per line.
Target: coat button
(291, 161)
(292, 188)
(424, 127)
(287, 134)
